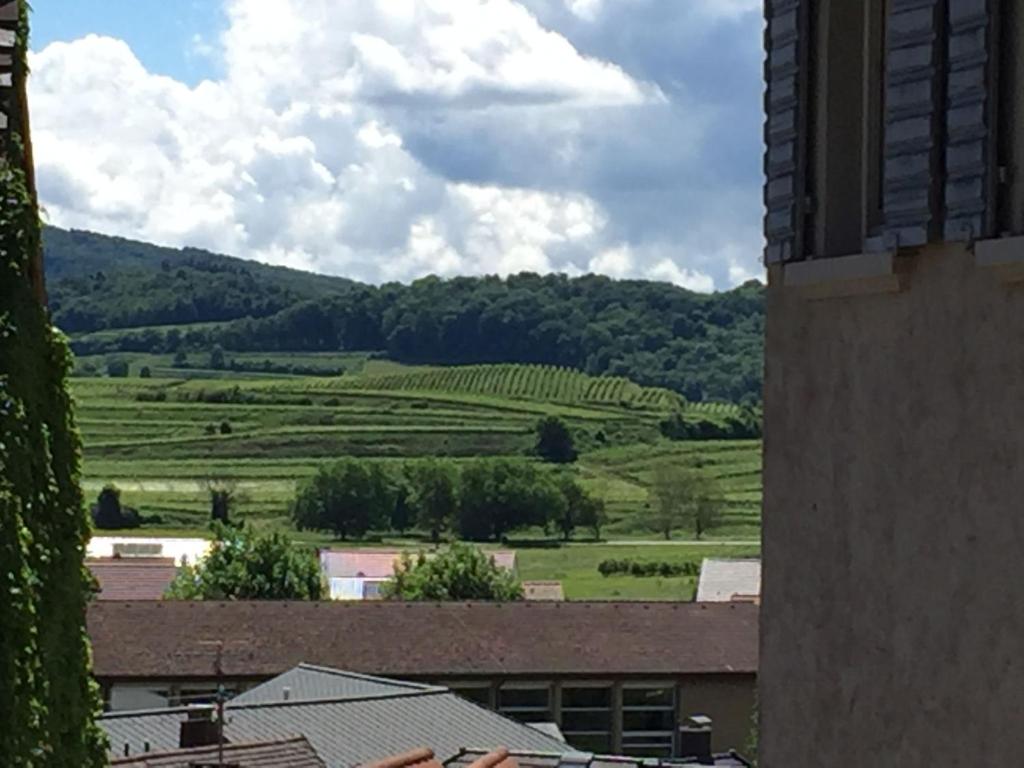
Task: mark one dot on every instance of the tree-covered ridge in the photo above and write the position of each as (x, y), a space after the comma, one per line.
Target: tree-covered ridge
(98, 282)
(48, 697)
(704, 346)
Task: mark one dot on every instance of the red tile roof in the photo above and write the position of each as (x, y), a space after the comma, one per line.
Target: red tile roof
(132, 578)
(285, 753)
(380, 563)
(262, 639)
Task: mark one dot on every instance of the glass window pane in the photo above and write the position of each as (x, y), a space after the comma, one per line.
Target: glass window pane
(529, 715)
(524, 697)
(480, 695)
(648, 697)
(591, 742)
(586, 697)
(657, 720)
(601, 720)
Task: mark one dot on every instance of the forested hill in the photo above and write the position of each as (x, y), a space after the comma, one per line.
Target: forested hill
(706, 346)
(97, 282)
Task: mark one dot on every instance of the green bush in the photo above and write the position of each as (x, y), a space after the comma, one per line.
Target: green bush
(648, 569)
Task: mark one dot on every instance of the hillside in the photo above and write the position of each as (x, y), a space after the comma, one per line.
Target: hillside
(97, 282)
(113, 295)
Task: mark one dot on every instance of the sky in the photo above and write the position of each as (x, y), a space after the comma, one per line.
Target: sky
(389, 139)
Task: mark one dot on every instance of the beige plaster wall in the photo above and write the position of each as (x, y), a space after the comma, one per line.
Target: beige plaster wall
(893, 603)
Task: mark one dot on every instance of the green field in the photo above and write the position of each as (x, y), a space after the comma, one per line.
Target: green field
(160, 440)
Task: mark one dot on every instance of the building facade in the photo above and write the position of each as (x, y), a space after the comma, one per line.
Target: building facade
(891, 607)
(614, 677)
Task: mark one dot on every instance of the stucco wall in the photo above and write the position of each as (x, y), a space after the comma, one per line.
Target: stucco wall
(893, 604)
(728, 701)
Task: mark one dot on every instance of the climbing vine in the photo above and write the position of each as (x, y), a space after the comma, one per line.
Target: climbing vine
(48, 700)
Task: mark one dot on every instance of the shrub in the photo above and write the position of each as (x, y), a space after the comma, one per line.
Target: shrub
(649, 568)
(145, 373)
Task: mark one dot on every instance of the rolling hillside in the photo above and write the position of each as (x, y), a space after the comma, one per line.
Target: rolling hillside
(116, 296)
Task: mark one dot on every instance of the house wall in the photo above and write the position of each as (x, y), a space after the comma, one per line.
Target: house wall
(893, 601)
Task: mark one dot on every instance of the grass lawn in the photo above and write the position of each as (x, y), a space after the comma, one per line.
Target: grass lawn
(575, 566)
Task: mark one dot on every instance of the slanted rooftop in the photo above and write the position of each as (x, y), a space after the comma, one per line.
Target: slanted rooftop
(308, 682)
(293, 752)
(344, 731)
(132, 578)
(724, 580)
(422, 640)
(521, 759)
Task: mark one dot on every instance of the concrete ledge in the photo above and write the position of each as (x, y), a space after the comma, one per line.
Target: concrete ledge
(1004, 256)
(864, 273)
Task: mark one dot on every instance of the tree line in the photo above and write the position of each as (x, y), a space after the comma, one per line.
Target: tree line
(705, 346)
(481, 500)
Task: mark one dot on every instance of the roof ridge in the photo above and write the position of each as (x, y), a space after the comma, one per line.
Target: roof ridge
(432, 691)
(359, 676)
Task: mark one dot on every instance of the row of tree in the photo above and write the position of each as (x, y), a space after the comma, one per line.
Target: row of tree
(708, 347)
(478, 501)
(244, 564)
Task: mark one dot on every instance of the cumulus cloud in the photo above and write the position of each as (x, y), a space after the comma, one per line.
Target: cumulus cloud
(388, 139)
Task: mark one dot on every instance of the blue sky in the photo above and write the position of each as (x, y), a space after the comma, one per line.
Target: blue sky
(161, 34)
(387, 139)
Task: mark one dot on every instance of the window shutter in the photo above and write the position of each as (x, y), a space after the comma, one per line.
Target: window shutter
(913, 95)
(971, 119)
(786, 43)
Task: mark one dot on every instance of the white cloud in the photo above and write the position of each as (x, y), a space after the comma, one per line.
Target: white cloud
(670, 272)
(316, 148)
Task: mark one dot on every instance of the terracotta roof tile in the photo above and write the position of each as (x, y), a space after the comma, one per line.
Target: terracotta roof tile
(132, 578)
(285, 753)
(262, 639)
(380, 563)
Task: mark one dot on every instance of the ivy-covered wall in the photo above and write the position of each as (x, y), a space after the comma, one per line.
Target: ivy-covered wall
(48, 700)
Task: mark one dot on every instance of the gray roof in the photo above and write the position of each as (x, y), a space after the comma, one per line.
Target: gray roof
(344, 732)
(722, 580)
(308, 682)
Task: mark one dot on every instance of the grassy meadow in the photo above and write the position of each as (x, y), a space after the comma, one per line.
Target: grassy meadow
(162, 439)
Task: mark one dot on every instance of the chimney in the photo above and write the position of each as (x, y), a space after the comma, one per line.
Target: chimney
(695, 739)
(199, 728)
(286, 693)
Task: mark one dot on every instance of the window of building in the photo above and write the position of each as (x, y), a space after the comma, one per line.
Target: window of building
(587, 717)
(1010, 213)
(526, 702)
(846, 120)
(478, 693)
(649, 720)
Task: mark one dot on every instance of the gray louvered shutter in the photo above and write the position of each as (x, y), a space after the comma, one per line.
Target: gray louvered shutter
(8, 23)
(913, 121)
(786, 42)
(971, 119)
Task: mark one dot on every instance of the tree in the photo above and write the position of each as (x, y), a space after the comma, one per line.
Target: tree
(223, 495)
(462, 572)
(117, 368)
(244, 565)
(217, 358)
(180, 359)
(683, 498)
(434, 498)
(145, 373)
(49, 699)
(580, 510)
(554, 441)
(109, 514)
(501, 495)
(348, 498)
